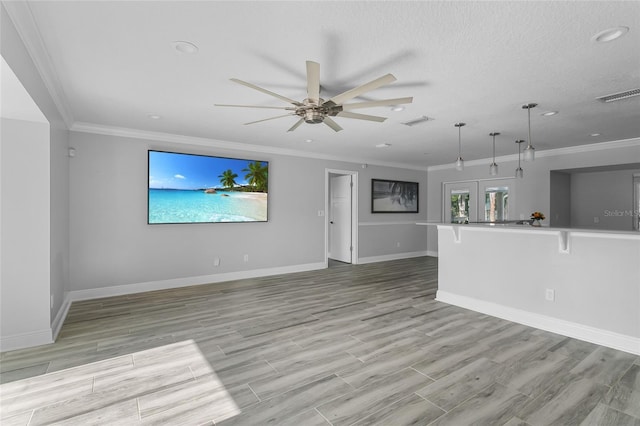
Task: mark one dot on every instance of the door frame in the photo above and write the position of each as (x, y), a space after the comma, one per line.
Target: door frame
(479, 184)
(354, 213)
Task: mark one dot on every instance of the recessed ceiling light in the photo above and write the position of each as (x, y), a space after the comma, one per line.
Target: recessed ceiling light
(185, 47)
(593, 135)
(308, 140)
(154, 116)
(397, 108)
(383, 145)
(549, 113)
(609, 34)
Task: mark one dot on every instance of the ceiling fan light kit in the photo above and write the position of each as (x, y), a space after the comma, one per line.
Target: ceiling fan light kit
(315, 110)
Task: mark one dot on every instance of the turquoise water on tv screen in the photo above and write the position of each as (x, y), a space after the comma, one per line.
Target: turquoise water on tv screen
(194, 206)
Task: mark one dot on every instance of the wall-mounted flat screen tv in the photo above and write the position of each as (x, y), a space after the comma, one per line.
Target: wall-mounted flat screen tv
(189, 188)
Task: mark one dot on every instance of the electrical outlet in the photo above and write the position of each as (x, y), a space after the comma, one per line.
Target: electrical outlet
(596, 219)
(246, 257)
(550, 294)
(320, 213)
(216, 261)
(398, 244)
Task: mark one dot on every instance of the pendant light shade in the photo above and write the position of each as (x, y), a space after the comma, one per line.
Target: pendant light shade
(519, 171)
(529, 151)
(459, 161)
(493, 168)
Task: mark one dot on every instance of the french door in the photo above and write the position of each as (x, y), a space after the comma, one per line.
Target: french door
(489, 200)
(460, 202)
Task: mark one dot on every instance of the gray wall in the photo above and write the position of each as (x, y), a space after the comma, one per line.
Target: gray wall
(112, 245)
(605, 195)
(24, 224)
(533, 191)
(560, 199)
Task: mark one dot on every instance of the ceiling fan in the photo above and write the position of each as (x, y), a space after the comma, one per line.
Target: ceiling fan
(314, 109)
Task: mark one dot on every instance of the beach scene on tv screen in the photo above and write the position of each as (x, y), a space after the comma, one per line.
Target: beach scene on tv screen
(187, 188)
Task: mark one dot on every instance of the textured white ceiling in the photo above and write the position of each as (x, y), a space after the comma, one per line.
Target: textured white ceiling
(476, 62)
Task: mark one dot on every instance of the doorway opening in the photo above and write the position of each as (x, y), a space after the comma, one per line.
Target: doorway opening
(341, 218)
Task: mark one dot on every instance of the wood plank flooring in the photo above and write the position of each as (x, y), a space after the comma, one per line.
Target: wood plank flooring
(349, 345)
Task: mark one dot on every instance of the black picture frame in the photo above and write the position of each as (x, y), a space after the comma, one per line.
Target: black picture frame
(394, 196)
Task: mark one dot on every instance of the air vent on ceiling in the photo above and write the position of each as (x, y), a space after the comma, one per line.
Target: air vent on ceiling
(619, 96)
(418, 120)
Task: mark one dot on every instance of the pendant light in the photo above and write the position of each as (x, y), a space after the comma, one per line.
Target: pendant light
(493, 168)
(529, 151)
(519, 171)
(459, 161)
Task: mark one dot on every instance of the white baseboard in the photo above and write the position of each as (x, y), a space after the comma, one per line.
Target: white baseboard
(56, 325)
(26, 340)
(555, 325)
(97, 293)
(394, 256)
(432, 253)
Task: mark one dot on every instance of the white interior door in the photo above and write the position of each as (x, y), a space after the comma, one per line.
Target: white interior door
(340, 247)
(460, 202)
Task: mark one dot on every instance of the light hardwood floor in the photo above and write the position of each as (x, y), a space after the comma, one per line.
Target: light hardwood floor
(363, 344)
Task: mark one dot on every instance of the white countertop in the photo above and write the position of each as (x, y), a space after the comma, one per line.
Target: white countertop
(527, 228)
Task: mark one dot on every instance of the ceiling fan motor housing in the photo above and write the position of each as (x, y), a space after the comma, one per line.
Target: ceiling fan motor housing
(312, 111)
(313, 116)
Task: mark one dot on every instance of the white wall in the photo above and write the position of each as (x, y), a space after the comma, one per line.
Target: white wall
(25, 228)
(113, 250)
(59, 186)
(54, 183)
(607, 195)
(533, 191)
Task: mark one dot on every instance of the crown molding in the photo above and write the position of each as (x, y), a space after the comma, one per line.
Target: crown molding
(20, 14)
(570, 150)
(216, 143)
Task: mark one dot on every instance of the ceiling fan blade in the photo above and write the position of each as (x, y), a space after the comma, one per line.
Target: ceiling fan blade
(267, 119)
(313, 80)
(347, 114)
(329, 122)
(268, 92)
(357, 91)
(383, 102)
(295, 126)
(255, 106)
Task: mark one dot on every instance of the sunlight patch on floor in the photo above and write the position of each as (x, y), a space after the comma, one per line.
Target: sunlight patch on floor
(173, 382)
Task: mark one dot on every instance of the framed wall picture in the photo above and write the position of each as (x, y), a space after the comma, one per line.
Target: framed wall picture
(394, 196)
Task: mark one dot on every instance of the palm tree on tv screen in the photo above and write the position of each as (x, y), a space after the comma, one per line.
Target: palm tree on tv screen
(228, 178)
(257, 176)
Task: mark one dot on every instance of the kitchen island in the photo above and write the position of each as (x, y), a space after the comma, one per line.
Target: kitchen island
(576, 282)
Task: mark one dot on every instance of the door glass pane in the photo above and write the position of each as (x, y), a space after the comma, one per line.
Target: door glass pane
(460, 206)
(496, 203)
